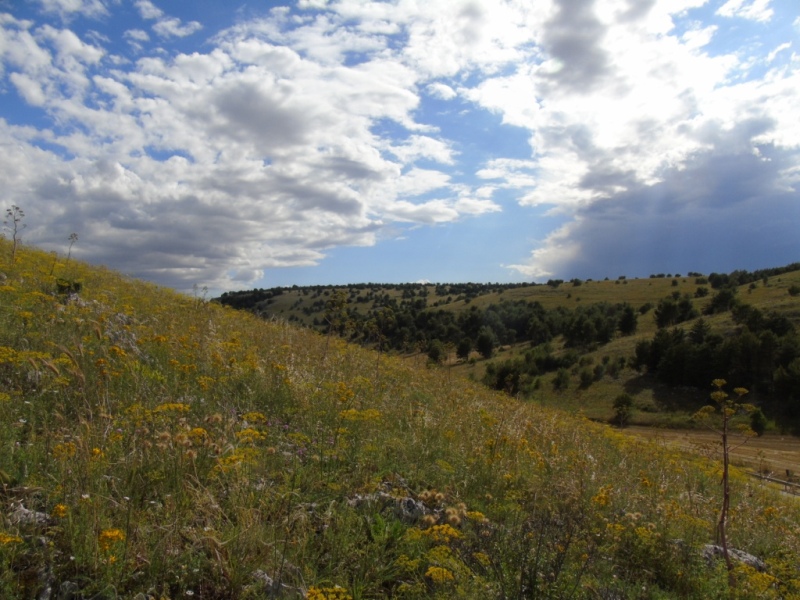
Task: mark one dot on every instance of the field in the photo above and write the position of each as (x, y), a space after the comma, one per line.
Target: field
(771, 455)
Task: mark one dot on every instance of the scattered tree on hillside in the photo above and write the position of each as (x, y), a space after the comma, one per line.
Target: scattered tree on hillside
(486, 342)
(623, 408)
(628, 321)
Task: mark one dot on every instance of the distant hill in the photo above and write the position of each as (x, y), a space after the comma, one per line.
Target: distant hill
(520, 337)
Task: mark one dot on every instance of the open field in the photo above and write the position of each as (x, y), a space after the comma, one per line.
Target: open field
(767, 454)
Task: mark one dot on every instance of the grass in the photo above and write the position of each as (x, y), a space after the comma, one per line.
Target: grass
(156, 445)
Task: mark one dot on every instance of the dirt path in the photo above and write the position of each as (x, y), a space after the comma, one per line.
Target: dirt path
(767, 454)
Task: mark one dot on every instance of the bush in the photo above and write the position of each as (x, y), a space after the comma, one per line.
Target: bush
(623, 409)
(758, 422)
(561, 380)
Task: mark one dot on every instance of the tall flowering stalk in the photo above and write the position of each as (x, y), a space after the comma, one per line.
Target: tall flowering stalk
(729, 408)
(14, 225)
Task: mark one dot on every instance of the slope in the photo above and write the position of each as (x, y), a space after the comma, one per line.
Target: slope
(156, 445)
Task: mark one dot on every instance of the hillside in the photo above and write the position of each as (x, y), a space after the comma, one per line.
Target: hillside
(160, 446)
(589, 341)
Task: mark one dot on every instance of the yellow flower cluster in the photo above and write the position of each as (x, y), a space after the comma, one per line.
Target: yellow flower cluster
(328, 593)
(240, 456)
(254, 417)
(442, 534)
(368, 414)
(406, 564)
(250, 436)
(6, 539)
(64, 451)
(603, 496)
(172, 407)
(197, 435)
(344, 394)
(59, 511)
(439, 575)
(109, 537)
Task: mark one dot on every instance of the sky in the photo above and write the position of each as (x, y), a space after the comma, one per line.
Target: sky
(223, 145)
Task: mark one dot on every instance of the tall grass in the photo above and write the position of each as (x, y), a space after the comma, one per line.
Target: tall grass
(156, 445)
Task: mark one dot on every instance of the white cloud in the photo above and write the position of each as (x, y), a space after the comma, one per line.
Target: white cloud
(424, 147)
(441, 91)
(137, 34)
(512, 173)
(172, 27)
(754, 10)
(67, 8)
(29, 89)
(476, 206)
(165, 26)
(421, 181)
(136, 37)
(273, 157)
(785, 46)
(431, 212)
(697, 38)
(304, 130)
(555, 255)
(148, 10)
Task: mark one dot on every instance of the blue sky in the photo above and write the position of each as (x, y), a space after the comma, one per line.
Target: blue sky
(259, 144)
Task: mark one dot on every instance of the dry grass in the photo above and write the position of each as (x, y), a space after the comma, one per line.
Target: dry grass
(770, 453)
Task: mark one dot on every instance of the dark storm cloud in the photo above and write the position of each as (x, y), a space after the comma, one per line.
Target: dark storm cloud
(574, 37)
(726, 209)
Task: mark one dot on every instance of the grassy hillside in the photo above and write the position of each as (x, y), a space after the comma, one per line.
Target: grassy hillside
(154, 445)
(412, 319)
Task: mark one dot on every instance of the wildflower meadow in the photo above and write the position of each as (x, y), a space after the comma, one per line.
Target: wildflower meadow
(156, 445)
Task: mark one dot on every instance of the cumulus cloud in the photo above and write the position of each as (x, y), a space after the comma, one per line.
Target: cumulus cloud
(212, 167)
(68, 8)
(172, 27)
(166, 26)
(441, 91)
(756, 10)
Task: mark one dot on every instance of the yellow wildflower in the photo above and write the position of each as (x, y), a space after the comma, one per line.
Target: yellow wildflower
(176, 407)
(254, 417)
(109, 537)
(439, 575)
(64, 451)
(442, 533)
(198, 435)
(603, 496)
(368, 414)
(328, 593)
(250, 436)
(6, 539)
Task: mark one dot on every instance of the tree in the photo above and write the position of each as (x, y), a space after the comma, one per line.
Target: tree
(628, 321)
(436, 351)
(464, 348)
(561, 380)
(486, 342)
(758, 422)
(623, 408)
